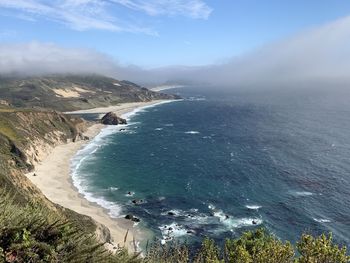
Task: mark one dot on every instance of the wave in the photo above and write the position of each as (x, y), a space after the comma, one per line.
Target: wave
(85, 154)
(232, 222)
(192, 132)
(302, 193)
(322, 220)
(253, 207)
(174, 230)
(196, 98)
(134, 112)
(130, 194)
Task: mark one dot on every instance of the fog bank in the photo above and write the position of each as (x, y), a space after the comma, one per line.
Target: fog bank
(318, 55)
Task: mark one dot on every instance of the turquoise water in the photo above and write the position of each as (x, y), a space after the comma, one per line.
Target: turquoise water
(219, 163)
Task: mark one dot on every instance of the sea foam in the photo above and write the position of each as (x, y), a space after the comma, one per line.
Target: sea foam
(253, 207)
(192, 132)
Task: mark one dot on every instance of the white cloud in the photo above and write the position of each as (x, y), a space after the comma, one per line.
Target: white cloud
(46, 58)
(196, 9)
(37, 58)
(316, 57)
(95, 14)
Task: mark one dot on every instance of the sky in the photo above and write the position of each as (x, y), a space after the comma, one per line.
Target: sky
(236, 43)
(157, 33)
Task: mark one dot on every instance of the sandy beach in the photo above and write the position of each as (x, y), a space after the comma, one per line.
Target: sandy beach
(118, 109)
(53, 178)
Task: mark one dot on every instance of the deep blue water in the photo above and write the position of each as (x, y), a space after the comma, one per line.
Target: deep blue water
(225, 162)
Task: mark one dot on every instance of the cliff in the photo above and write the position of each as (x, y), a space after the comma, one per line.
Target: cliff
(26, 137)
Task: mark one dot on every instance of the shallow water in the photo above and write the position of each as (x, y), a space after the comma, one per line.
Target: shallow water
(217, 164)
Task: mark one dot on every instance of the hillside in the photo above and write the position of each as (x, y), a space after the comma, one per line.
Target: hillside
(26, 137)
(72, 92)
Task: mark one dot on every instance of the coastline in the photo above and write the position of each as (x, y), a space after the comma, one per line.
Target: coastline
(54, 179)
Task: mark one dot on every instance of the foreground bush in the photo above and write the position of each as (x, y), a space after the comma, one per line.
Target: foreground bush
(36, 234)
(255, 247)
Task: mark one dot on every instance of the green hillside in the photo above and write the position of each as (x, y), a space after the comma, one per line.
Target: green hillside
(71, 92)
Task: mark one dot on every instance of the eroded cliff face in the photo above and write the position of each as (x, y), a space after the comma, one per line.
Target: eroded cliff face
(26, 138)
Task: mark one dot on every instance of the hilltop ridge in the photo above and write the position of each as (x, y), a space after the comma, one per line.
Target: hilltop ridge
(72, 92)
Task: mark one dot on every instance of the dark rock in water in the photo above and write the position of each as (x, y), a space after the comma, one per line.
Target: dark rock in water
(112, 119)
(132, 218)
(137, 202)
(129, 217)
(171, 213)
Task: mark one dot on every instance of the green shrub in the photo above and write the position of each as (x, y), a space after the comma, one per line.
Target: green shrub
(209, 252)
(33, 233)
(320, 250)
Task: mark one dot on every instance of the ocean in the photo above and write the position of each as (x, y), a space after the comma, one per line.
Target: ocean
(222, 162)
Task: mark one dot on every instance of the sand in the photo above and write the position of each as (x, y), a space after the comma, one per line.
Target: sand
(53, 178)
(119, 109)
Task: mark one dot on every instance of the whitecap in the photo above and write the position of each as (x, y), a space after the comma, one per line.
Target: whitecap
(174, 230)
(302, 193)
(112, 189)
(253, 207)
(231, 222)
(130, 194)
(158, 129)
(192, 132)
(322, 220)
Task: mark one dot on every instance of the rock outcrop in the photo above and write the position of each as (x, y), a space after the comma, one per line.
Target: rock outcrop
(112, 119)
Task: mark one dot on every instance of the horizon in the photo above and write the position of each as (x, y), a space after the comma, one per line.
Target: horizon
(183, 42)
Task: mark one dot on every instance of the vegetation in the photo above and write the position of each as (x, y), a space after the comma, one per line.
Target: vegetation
(32, 233)
(87, 91)
(254, 247)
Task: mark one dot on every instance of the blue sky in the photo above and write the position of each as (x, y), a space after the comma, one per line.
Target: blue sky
(155, 33)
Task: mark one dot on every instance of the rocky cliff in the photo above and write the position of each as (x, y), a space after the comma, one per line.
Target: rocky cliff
(26, 137)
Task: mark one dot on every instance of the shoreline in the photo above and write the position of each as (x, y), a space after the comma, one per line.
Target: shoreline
(54, 179)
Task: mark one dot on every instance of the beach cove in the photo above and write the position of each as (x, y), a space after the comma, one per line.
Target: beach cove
(53, 176)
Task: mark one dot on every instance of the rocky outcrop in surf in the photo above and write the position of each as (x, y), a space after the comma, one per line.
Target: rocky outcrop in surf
(112, 119)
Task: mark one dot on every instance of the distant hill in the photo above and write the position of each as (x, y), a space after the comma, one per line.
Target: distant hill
(71, 92)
